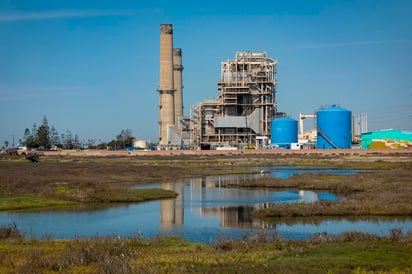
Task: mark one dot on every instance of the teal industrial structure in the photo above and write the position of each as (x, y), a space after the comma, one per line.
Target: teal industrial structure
(389, 138)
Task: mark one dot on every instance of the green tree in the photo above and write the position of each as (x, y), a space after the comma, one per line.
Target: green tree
(34, 130)
(54, 137)
(31, 140)
(112, 145)
(124, 139)
(26, 135)
(102, 145)
(67, 140)
(76, 141)
(43, 134)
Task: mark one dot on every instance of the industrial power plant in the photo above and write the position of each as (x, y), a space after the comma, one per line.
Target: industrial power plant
(241, 115)
(244, 115)
(170, 87)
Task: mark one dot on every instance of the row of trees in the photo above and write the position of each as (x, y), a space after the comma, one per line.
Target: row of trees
(47, 137)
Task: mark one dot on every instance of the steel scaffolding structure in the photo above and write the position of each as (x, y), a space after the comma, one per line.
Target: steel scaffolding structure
(242, 113)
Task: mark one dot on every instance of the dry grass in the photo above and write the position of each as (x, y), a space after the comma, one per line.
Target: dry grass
(10, 232)
(61, 181)
(377, 193)
(386, 191)
(252, 254)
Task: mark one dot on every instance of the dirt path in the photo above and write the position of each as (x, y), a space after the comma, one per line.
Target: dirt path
(320, 152)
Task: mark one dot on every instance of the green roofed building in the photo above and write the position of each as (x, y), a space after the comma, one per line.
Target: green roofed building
(389, 138)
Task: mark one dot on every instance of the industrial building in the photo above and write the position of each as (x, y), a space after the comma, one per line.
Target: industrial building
(309, 136)
(244, 114)
(170, 90)
(333, 130)
(240, 117)
(389, 138)
(359, 126)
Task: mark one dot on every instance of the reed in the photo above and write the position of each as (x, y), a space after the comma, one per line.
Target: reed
(385, 190)
(254, 253)
(378, 193)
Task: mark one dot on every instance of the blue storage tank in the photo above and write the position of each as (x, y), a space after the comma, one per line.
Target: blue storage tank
(284, 131)
(334, 128)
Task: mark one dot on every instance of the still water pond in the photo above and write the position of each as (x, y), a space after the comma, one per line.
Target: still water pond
(284, 172)
(203, 211)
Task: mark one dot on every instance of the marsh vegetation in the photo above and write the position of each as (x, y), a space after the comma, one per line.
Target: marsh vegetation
(349, 252)
(384, 190)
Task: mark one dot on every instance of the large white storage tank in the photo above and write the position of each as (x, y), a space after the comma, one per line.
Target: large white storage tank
(140, 144)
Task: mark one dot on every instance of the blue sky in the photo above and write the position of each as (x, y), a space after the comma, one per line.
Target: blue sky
(93, 66)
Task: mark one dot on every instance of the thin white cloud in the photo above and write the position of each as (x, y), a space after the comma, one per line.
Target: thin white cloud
(347, 44)
(60, 14)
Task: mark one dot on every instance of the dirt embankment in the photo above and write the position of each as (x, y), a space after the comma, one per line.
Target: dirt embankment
(319, 152)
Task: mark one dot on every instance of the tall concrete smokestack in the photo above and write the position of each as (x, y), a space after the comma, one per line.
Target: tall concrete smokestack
(166, 86)
(177, 81)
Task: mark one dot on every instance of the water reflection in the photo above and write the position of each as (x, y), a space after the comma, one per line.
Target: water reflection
(285, 172)
(207, 197)
(204, 210)
(172, 210)
(238, 217)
